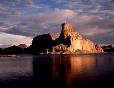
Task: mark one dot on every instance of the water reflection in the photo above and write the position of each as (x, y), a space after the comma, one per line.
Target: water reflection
(84, 65)
(42, 67)
(72, 70)
(57, 71)
(69, 68)
(77, 65)
(14, 67)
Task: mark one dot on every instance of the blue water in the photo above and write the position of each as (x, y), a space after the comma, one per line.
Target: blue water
(57, 71)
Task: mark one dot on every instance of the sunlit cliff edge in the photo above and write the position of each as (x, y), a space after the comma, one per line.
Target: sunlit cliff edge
(68, 42)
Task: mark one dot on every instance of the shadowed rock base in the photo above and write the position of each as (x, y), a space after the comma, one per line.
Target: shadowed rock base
(69, 42)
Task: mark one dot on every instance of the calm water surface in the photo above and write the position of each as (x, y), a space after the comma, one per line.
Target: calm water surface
(57, 71)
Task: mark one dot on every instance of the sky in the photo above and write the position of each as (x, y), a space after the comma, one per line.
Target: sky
(21, 20)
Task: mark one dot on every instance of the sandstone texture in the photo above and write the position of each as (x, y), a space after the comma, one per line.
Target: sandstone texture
(69, 42)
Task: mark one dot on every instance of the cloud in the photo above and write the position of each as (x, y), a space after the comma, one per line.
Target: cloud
(90, 25)
(105, 4)
(57, 15)
(95, 21)
(92, 18)
(97, 29)
(20, 30)
(42, 23)
(103, 38)
(10, 39)
(12, 8)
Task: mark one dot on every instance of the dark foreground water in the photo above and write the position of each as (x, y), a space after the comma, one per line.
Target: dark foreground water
(57, 71)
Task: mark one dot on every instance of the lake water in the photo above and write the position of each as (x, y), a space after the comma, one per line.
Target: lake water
(57, 71)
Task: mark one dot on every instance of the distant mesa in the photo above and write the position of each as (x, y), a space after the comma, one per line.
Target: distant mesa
(69, 42)
(22, 46)
(108, 48)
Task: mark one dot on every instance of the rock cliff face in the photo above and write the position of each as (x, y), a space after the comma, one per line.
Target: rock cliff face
(41, 43)
(75, 42)
(108, 48)
(69, 42)
(98, 48)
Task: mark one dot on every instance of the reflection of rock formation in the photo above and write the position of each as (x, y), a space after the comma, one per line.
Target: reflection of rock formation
(76, 65)
(42, 68)
(68, 42)
(62, 69)
(82, 65)
(71, 70)
(73, 67)
(43, 73)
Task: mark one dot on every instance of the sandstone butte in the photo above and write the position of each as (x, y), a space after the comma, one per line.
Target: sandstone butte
(68, 42)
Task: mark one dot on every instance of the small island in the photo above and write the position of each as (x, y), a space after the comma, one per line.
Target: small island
(68, 42)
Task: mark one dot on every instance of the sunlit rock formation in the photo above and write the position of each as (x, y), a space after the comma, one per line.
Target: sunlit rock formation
(98, 48)
(75, 42)
(69, 42)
